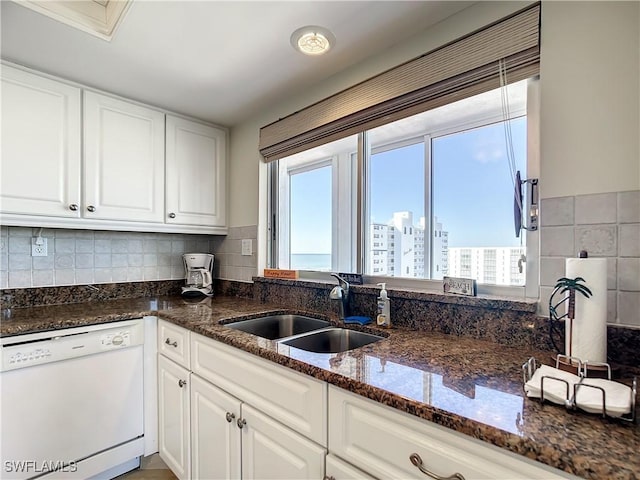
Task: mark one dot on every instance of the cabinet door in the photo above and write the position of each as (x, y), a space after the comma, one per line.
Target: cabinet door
(124, 160)
(196, 165)
(215, 436)
(272, 451)
(40, 161)
(338, 469)
(290, 397)
(173, 417)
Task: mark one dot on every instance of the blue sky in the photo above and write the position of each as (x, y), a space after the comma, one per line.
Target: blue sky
(311, 233)
(472, 190)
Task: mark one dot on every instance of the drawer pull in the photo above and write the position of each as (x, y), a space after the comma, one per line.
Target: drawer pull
(168, 342)
(182, 383)
(417, 461)
(241, 422)
(230, 417)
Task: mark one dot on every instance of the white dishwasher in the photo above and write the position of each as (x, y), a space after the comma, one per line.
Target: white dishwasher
(71, 402)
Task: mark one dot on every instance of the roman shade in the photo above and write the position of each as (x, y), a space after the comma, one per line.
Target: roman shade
(460, 69)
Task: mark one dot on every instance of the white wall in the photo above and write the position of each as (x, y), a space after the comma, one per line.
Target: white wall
(590, 103)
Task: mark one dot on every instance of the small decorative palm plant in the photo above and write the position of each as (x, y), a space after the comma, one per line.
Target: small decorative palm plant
(570, 286)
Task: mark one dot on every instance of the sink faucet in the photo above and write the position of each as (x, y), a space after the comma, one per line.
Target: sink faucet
(341, 292)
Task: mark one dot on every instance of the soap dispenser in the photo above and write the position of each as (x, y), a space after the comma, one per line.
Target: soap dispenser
(384, 315)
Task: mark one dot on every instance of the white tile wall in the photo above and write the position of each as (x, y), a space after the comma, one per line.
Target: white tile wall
(629, 207)
(87, 256)
(606, 225)
(599, 208)
(230, 264)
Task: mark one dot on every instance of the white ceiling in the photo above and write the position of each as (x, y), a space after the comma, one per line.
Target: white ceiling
(220, 61)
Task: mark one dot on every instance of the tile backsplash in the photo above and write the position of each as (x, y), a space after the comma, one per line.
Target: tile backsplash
(77, 257)
(230, 263)
(605, 225)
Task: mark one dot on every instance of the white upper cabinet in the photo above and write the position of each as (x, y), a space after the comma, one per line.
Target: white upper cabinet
(196, 166)
(77, 158)
(124, 160)
(40, 162)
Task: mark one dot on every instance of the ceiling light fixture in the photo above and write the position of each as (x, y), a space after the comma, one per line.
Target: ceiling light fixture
(312, 40)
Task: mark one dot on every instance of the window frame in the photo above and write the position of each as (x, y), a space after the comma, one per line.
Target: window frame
(343, 248)
(360, 201)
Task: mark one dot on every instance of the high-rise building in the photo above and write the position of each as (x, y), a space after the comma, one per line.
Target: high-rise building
(490, 265)
(399, 249)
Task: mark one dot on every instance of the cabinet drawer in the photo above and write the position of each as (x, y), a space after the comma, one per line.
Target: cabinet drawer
(337, 469)
(380, 440)
(173, 342)
(294, 399)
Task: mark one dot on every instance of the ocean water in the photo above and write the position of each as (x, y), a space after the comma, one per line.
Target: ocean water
(311, 261)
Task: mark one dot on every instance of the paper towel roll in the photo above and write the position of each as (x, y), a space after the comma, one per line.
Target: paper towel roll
(589, 336)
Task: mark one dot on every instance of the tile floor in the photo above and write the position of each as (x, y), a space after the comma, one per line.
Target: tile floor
(152, 468)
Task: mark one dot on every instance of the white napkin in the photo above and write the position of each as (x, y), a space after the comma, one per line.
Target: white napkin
(618, 397)
(554, 390)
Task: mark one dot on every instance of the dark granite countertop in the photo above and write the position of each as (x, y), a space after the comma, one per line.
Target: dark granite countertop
(471, 386)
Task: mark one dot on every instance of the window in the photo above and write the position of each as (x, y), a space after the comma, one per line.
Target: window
(437, 196)
(314, 230)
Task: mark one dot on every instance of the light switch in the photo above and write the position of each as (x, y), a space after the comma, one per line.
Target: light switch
(247, 246)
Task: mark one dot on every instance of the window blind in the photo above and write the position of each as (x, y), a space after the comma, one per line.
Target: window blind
(463, 68)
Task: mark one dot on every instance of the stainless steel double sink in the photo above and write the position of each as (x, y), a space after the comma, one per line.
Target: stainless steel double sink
(305, 333)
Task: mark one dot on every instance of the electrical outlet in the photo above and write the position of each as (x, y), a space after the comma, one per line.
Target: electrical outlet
(247, 247)
(39, 247)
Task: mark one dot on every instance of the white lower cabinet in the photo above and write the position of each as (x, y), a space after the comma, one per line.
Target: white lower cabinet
(281, 418)
(271, 450)
(232, 440)
(338, 469)
(289, 397)
(215, 436)
(227, 414)
(208, 432)
(382, 440)
(174, 417)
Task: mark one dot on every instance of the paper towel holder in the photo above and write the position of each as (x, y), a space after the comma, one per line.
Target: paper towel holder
(570, 286)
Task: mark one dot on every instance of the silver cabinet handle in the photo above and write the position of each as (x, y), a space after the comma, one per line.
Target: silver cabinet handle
(168, 342)
(182, 383)
(417, 461)
(241, 422)
(230, 417)
(73, 207)
(91, 208)
(172, 215)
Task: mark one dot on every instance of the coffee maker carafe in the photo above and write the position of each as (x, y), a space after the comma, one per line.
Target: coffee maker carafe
(198, 268)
